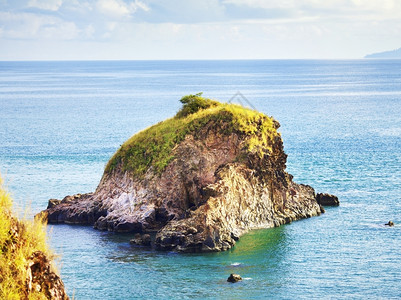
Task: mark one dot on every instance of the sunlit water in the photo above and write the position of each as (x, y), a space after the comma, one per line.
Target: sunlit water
(340, 122)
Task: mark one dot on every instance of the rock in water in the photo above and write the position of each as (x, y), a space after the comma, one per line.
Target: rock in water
(201, 179)
(327, 199)
(141, 239)
(234, 278)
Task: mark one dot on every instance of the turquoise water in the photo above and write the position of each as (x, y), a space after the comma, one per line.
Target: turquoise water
(341, 126)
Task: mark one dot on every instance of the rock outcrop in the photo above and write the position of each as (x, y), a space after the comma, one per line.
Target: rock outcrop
(41, 277)
(200, 179)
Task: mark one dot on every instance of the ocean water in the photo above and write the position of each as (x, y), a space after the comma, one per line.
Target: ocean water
(341, 124)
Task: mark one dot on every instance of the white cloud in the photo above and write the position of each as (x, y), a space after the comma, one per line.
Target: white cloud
(52, 5)
(264, 4)
(77, 7)
(174, 29)
(184, 11)
(119, 8)
(367, 9)
(31, 26)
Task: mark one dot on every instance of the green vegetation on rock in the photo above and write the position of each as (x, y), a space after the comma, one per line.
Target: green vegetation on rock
(19, 240)
(194, 103)
(153, 147)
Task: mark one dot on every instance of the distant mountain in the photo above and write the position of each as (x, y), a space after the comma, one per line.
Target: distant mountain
(386, 54)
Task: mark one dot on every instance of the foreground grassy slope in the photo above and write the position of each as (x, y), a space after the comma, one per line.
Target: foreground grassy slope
(19, 240)
(153, 146)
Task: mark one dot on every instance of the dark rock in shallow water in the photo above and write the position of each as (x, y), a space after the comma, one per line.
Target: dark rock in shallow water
(234, 278)
(327, 199)
(222, 175)
(141, 239)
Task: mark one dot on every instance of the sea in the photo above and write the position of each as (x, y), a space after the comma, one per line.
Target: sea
(340, 120)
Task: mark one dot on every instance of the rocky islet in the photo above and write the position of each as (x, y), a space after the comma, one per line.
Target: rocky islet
(199, 180)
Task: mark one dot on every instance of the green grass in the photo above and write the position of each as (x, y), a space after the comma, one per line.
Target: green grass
(152, 147)
(19, 239)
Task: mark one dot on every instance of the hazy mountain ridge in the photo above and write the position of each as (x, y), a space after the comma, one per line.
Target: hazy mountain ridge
(386, 54)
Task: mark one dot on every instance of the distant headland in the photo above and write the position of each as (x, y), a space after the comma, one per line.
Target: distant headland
(395, 54)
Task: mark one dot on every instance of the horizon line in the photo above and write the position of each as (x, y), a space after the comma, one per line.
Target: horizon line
(195, 59)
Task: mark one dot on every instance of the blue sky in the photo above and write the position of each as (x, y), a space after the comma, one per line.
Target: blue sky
(208, 29)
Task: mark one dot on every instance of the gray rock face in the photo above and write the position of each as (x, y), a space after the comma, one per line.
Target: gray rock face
(213, 191)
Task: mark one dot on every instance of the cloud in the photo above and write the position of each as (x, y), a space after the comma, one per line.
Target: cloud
(182, 12)
(119, 8)
(367, 9)
(28, 26)
(157, 29)
(52, 5)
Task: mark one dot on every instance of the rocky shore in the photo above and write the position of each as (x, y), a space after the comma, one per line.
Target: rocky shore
(200, 180)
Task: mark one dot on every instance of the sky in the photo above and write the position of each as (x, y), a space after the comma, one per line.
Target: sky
(197, 29)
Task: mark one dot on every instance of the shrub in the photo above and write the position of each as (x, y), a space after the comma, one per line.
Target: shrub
(194, 103)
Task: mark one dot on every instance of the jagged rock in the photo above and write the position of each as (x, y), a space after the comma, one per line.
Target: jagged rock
(42, 278)
(52, 203)
(200, 179)
(234, 278)
(325, 199)
(390, 223)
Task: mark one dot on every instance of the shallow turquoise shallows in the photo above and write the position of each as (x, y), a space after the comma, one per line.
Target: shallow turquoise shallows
(60, 122)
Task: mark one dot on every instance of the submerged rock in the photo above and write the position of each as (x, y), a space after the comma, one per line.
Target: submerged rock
(200, 179)
(234, 278)
(141, 239)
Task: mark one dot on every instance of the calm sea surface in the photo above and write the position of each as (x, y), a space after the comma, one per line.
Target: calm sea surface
(341, 124)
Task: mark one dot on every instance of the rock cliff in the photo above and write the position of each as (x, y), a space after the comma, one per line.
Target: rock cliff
(200, 179)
